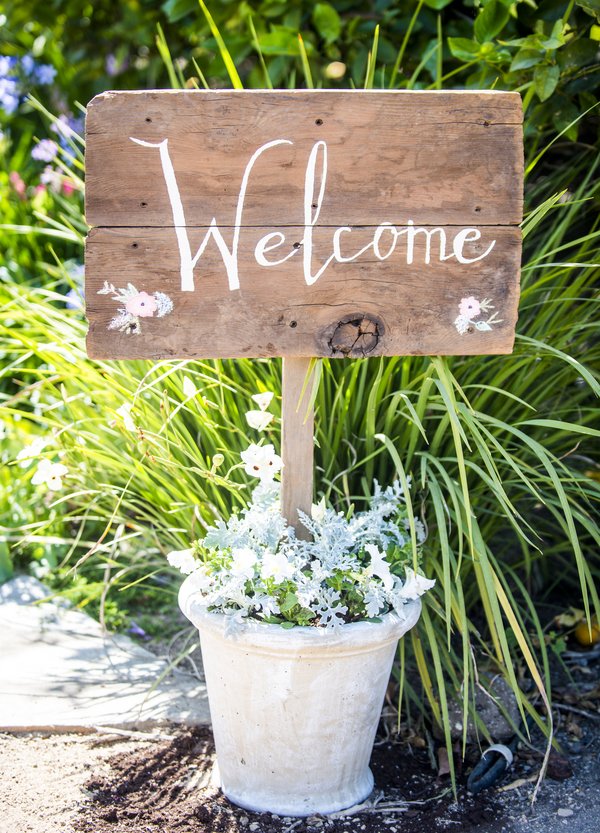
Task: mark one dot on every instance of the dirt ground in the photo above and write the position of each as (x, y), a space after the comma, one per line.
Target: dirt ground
(160, 783)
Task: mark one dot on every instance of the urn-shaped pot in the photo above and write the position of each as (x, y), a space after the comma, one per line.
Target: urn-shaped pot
(295, 712)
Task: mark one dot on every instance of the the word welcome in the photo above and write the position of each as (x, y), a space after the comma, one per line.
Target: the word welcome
(383, 243)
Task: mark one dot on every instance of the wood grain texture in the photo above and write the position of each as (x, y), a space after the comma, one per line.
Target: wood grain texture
(274, 313)
(433, 157)
(297, 444)
(449, 161)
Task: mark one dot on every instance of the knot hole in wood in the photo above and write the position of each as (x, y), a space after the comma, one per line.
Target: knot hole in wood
(356, 336)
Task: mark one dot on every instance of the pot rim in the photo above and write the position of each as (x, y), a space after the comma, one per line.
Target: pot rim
(354, 637)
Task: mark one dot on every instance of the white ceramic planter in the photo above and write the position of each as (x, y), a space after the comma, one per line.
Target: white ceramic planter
(294, 712)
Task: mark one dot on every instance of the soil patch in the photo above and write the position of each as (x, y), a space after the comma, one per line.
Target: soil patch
(166, 788)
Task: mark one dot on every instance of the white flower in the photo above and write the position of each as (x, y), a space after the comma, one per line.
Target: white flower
(414, 585)
(261, 461)
(243, 562)
(318, 510)
(379, 566)
(52, 178)
(201, 580)
(183, 560)
(125, 413)
(189, 388)
(276, 566)
(30, 451)
(49, 473)
(40, 568)
(263, 400)
(258, 419)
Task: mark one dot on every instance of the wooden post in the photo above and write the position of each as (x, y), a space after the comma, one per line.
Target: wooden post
(297, 444)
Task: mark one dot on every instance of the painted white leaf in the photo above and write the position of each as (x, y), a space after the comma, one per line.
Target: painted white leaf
(462, 324)
(482, 325)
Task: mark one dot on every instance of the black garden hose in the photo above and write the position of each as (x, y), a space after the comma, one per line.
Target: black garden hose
(493, 764)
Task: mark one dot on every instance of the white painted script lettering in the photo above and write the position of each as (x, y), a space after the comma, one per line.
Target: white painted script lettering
(229, 256)
(383, 244)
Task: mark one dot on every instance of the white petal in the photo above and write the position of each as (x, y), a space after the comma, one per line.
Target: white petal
(189, 388)
(183, 560)
(258, 419)
(125, 413)
(263, 400)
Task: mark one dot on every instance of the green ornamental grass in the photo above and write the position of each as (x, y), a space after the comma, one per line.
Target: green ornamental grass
(501, 450)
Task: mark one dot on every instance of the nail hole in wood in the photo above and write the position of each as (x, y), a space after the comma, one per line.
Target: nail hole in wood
(315, 205)
(319, 121)
(134, 245)
(470, 330)
(486, 124)
(297, 245)
(143, 204)
(148, 119)
(477, 209)
(293, 324)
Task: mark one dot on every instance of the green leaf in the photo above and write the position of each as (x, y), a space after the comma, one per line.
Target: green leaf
(526, 58)
(437, 4)
(464, 49)
(491, 20)
(235, 79)
(6, 567)
(592, 7)
(177, 9)
(327, 22)
(281, 41)
(564, 117)
(562, 426)
(545, 79)
(577, 54)
(290, 602)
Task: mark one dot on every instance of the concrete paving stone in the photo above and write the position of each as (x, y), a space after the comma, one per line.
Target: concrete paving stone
(59, 670)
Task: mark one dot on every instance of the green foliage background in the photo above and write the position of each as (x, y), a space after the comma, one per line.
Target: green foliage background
(502, 450)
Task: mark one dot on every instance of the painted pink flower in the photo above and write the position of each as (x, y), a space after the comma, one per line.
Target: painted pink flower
(469, 307)
(141, 305)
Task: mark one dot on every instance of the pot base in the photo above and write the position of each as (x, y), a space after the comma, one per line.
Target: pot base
(298, 806)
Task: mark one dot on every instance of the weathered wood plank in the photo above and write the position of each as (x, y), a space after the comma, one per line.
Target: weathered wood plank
(431, 157)
(297, 444)
(405, 308)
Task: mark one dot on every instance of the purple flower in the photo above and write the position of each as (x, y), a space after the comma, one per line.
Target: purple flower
(114, 66)
(9, 94)
(28, 64)
(136, 630)
(44, 74)
(7, 63)
(73, 299)
(45, 151)
(67, 130)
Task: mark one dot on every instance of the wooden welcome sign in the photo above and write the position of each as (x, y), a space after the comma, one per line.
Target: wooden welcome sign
(306, 223)
(302, 223)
